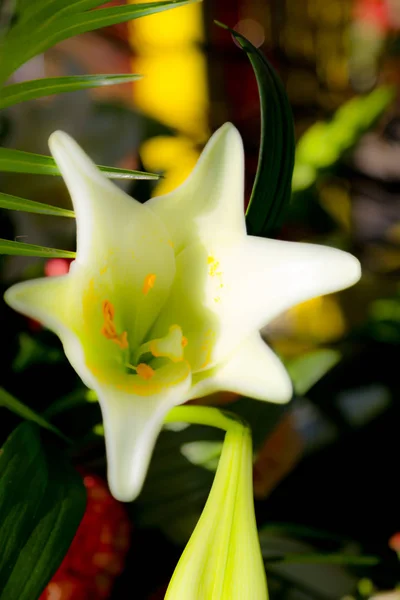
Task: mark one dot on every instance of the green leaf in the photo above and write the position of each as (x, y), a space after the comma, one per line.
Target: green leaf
(33, 351)
(21, 249)
(306, 370)
(40, 11)
(15, 203)
(28, 90)
(42, 501)
(17, 161)
(19, 408)
(272, 186)
(40, 38)
(75, 399)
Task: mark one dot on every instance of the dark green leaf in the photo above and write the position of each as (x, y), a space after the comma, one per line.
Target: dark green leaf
(17, 161)
(42, 501)
(20, 409)
(33, 352)
(21, 249)
(15, 203)
(27, 90)
(272, 186)
(55, 30)
(75, 399)
(40, 11)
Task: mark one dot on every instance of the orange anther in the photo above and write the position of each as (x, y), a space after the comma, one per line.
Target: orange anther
(149, 282)
(144, 371)
(108, 310)
(122, 340)
(184, 342)
(108, 330)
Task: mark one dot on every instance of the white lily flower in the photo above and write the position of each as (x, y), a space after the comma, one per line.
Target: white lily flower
(165, 301)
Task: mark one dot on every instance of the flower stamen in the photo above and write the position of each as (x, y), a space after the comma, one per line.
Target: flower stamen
(145, 371)
(149, 282)
(109, 331)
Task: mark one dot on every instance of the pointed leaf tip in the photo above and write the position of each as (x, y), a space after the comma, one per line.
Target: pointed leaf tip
(272, 186)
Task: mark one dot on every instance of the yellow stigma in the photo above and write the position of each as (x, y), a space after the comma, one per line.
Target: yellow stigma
(108, 330)
(144, 371)
(149, 282)
(171, 346)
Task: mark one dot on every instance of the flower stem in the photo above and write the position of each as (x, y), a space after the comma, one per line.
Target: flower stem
(205, 415)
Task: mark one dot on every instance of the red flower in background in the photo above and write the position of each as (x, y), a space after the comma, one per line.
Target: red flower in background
(97, 553)
(374, 12)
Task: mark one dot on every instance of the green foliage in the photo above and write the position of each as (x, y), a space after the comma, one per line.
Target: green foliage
(272, 186)
(48, 22)
(15, 203)
(325, 142)
(39, 25)
(23, 411)
(21, 249)
(42, 501)
(17, 161)
(37, 88)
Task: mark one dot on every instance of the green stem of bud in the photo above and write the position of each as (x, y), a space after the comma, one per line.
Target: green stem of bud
(222, 560)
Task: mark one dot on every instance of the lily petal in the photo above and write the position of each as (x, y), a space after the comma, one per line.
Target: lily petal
(253, 370)
(132, 422)
(41, 299)
(131, 426)
(232, 291)
(209, 204)
(120, 243)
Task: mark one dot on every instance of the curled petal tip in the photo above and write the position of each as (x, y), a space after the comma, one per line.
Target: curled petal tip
(73, 162)
(356, 271)
(345, 271)
(58, 136)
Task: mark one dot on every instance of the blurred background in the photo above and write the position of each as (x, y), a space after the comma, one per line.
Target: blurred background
(326, 469)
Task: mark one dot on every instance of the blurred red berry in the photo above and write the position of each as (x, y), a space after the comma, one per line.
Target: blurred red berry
(394, 542)
(57, 266)
(97, 553)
